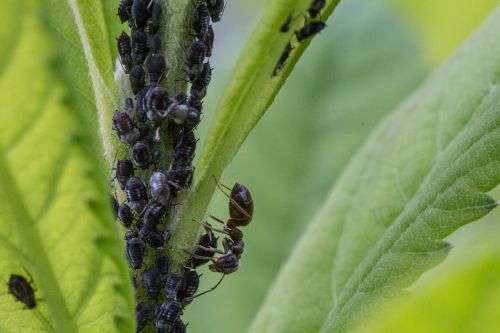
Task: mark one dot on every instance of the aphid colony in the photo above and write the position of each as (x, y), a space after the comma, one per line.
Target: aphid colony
(151, 182)
(311, 27)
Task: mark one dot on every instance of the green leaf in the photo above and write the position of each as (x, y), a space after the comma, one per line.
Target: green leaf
(463, 297)
(421, 175)
(250, 92)
(55, 222)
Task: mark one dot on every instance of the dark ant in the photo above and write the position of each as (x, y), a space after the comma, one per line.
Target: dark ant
(309, 29)
(125, 51)
(137, 79)
(22, 290)
(316, 7)
(124, 8)
(283, 58)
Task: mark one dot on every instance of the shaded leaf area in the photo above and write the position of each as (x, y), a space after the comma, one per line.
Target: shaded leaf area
(55, 220)
(294, 155)
(421, 175)
(462, 295)
(250, 92)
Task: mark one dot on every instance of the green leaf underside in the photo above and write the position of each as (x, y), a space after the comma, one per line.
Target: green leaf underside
(55, 222)
(460, 298)
(421, 175)
(250, 92)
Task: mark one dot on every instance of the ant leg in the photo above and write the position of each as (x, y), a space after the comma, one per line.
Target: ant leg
(197, 256)
(208, 226)
(216, 219)
(209, 249)
(209, 290)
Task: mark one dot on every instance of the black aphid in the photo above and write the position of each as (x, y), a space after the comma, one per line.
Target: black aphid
(154, 237)
(125, 51)
(141, 154)
(177, 111)
(123, 171)
(201, 22)
(196, 57)
(180, 176)
(135, 252)
(225, 264)
(174, 283)
(139, 43)
(125, 127)
(189, 287)
(156, 102)
(156, 67)
(209, 41)
(140, 13)
(167, 316)
(184, 150)
(316, 7)
(22, 290)
(160, 189)
(286, 25)
(309, 30)
(129, 234)
(137, 195)
(152, 282)
(124, 10)
(179, 327)
(154, 214)
(207, 240)
(201, 82)
(137, 79)
(125, 215)
(216, 9)
(155, 43)
(283, 58)
(154, 22)
(162, 263)
(143, 315)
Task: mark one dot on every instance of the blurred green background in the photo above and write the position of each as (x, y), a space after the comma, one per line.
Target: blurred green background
(370, 57)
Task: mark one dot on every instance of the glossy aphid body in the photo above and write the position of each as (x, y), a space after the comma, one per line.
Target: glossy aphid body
(174, 283)
(125, 51)
(202, 253)
(143, 315)
(154, 22)
(189, 287)
(137, 78)
(155, 43)
(137, 195)
(156, 67)
(125, 127)
(125, 215)
(167, 315)
(139, 43)
(309, 29)
(283, 58)
(316, 7)
(22, 290)
(195, 58)
(201, 22)
(140, 13)
(201, 82)
(141, 154)
(209, 40)
(160, 188)
(125, 10)
(216, 9)
(152, 282)
(154, 214)
(123, 171)
(135, 252)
